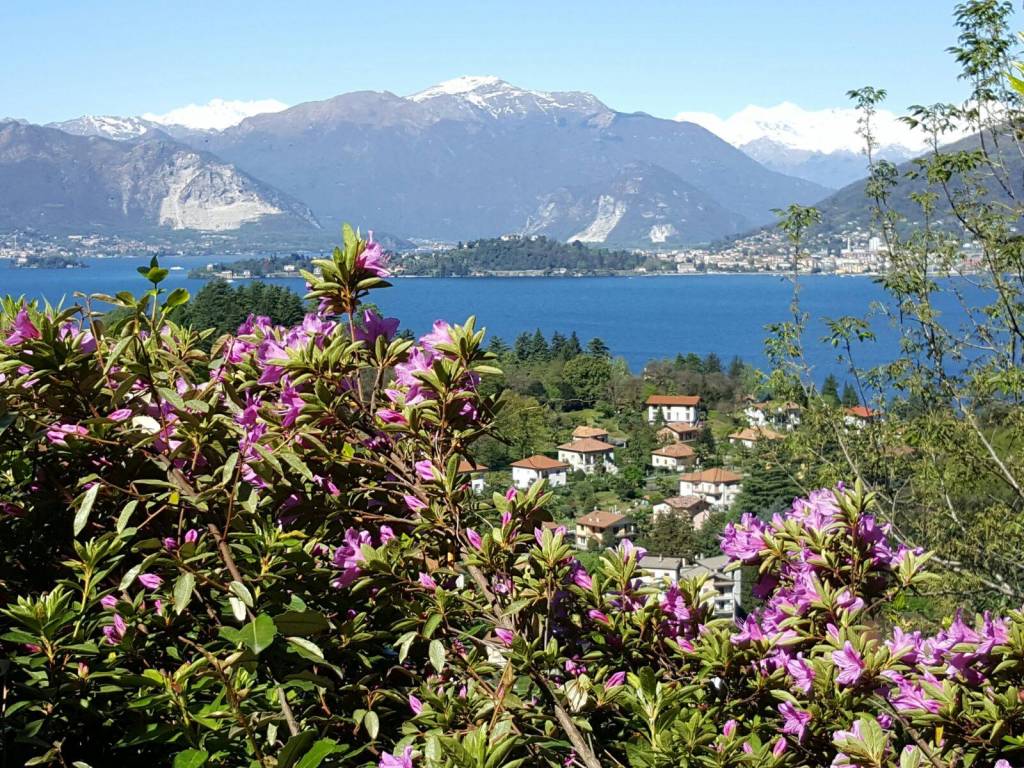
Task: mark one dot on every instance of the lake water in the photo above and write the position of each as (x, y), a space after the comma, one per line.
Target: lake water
(640, 318)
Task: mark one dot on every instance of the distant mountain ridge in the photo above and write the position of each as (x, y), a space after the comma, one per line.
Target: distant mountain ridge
(51, 180)
(478, 157)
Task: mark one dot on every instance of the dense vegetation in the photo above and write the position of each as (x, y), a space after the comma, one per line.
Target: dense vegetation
(222, 307)
(516, 253)
(267, 556)
(258, 266)
(264, 553)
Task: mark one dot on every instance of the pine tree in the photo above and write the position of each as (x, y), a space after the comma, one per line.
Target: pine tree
(712, 363)
(849, 398)
(736, 369)
(523, 347)
(598, 348)
(830, 390)
(573, 348)
(539, 346)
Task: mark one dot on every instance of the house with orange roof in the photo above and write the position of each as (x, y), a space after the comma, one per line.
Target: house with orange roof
(693, 507)
(526, 472)
(680, 432)
(595, 433)
(749, 437)
(674, 456)
(673, 408)
(595, 528)
(588, 455)
(718, 487)
(860, 416)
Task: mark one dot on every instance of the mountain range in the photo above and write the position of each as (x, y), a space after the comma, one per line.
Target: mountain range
(467, 158)
(823, 146)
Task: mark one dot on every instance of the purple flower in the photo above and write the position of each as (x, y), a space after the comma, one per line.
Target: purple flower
(150, 580)
(374, 326)
(850, 664)
(744, 541)
(505, 635)
(58, 433)
(170, 543)
(390, 416)
(474, 538)
(191, 536)
(441, 334)
(114, 633)
(794, 721)
(580, 577)
(415, 704)
(801, 672)
(23, 329)
(414, 503)
(780, 747)
(615, 680)
(425, 470)
(109, 602)
(427, 581)
(511, 493)
(596, 615)
(387, 760)
(121, 414)
(372, 260)
(729, 729)
(628, 550)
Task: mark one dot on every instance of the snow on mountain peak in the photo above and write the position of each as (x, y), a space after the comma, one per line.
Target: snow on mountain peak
(460, 85)
(216, 114)
(497, 98)
(822, 130)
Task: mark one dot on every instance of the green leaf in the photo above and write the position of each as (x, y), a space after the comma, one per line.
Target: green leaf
(126, 515)
(191, 758)
(316, 755)
(296, 745)
(259, 633)
(436, 653)
(82, 516)
(301, 623)
(372, 724)
(183, 587)
(306, 648)
(241, 592)
(176, 298)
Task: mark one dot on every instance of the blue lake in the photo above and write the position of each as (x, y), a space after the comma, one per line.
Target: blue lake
(640, 318)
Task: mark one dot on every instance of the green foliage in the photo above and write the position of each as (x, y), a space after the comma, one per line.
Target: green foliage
(223, 308)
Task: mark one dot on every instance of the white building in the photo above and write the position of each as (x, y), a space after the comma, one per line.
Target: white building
(859, 416)
(718, 487)
(724, 587)
(673, 408)
(526, 472)
(593, 527)
(587, 454)
(748, 437)
(780, 415)
(694, 507)
(595, 433)
(680, 432)
(675, 457)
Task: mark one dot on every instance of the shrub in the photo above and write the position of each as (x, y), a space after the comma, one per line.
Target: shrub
(266, 555)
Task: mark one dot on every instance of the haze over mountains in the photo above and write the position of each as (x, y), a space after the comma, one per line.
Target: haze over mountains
(470, 157)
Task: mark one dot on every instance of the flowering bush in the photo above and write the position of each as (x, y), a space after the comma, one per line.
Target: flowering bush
(267, 555)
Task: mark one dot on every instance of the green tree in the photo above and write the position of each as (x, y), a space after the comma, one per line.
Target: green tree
(849, 397)
(672, 535)
(597, 348)
(588, 378)
(830, 390)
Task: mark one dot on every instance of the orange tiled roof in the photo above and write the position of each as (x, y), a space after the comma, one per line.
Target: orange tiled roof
(599, 518)
(674, 451)
(584, 431)
(692, 400)
(586, 445)
(467, 466)
(539, 461)
(716, 475)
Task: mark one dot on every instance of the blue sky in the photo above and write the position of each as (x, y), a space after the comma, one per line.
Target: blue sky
(62, 59)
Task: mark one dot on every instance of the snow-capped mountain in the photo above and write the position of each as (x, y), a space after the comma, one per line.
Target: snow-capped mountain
(478, 157)
(823, 145)
(106, 126)
(494, 98)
